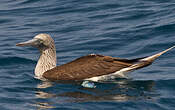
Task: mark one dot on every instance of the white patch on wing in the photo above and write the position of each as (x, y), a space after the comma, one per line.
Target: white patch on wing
(92, 54)
(117, 74)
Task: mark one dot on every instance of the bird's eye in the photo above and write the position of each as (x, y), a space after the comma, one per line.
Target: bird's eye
(41, 42)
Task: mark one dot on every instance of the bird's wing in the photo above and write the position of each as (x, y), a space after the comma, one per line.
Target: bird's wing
(87, 67)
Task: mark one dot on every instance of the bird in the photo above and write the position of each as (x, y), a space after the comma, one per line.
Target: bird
(91, 67)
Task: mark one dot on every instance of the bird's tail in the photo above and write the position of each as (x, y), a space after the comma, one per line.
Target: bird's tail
(141, 62)
(155, 56)
(148, 60)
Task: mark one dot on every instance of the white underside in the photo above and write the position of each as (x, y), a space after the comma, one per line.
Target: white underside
(117, 74)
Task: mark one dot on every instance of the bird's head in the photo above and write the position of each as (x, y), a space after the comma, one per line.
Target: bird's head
(40, 41)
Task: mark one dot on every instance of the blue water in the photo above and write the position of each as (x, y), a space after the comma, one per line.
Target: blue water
(126, 29)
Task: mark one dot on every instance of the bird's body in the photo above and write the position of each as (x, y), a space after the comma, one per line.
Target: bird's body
(91, 67)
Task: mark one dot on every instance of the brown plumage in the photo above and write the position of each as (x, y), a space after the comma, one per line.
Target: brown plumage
(84, 68)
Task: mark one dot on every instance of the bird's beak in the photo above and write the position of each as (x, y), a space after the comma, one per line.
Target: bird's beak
(33, 42)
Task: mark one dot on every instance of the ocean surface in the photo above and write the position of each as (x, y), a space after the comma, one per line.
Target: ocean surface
(118, 28)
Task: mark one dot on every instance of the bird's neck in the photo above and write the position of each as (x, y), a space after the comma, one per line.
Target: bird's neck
(46, 61)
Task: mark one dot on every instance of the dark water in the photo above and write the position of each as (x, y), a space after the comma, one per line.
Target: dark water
(127, 29)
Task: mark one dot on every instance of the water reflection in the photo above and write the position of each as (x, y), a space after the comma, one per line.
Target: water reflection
(43, 105)
(45, 84)
(119, 90)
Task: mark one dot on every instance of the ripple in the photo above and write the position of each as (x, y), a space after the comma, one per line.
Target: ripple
(14, 60)
(127, 29)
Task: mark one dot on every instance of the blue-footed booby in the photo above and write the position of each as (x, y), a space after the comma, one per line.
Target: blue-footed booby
(92, 67)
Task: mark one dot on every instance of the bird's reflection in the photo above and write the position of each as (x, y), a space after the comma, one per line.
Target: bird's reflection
(45, 84)
(118, 90)
(43, 105)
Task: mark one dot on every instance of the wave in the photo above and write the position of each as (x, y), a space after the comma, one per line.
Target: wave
(14, 60)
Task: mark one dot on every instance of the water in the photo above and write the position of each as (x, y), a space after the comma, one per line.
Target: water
(127, 29)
